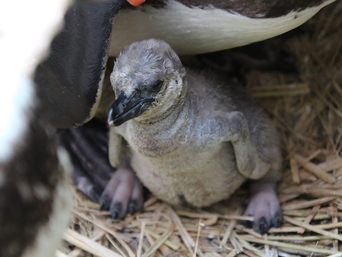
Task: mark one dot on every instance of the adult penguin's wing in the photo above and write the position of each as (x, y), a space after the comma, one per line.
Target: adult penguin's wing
(70, 79)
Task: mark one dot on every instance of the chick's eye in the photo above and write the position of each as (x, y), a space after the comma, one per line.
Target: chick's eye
(157, 86)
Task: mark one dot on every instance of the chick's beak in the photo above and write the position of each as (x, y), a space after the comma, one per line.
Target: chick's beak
(126, 108)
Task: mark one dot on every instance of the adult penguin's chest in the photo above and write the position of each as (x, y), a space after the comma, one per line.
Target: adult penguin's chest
(193, 26)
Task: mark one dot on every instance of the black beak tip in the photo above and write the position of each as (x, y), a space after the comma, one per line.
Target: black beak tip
(113, 120)
(124, 109)
(110, 119)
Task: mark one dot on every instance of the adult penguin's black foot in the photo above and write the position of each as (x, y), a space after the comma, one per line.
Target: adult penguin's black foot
(117, 190)
(88, 148)
(264, 206)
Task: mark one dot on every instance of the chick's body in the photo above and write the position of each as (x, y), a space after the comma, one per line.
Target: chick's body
(176, 163)
(187, 154)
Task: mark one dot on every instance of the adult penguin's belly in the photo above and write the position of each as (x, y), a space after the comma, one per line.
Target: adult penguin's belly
(194, 30)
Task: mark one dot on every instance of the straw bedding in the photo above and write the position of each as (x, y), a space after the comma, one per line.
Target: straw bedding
(307, 110)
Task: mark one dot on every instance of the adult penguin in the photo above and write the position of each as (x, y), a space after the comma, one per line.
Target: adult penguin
(70, 80)
(35, 197)
(196, 26)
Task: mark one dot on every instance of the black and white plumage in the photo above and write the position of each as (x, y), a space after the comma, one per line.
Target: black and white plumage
(35, 199)
(197, 26)
(70, 80)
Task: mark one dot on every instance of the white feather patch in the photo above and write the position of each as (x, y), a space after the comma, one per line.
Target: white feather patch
(194, 30)
(26, 29)
(17, 100)
(49, 235)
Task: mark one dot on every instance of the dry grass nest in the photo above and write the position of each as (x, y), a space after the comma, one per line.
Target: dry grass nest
(307, 110)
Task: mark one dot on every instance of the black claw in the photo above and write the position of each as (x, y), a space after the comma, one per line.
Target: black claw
(104, 207)
(132, 207)
(261, 226)
(104, 202)
(116, 211)
(277, 220)
(95, 195)
(114, 214)
(247, 223)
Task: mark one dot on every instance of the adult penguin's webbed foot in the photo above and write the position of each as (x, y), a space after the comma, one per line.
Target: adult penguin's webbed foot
(264, 206)
(88, 149)
(123, 194)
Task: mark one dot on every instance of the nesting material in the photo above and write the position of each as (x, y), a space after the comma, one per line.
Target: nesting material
(307, 110)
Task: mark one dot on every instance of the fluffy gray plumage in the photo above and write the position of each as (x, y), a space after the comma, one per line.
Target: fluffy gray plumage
(200, 139)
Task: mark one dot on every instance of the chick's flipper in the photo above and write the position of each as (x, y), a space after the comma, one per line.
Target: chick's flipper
(123, 194)
(264, 206)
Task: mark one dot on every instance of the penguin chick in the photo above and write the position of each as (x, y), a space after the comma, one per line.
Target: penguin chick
(192, 136)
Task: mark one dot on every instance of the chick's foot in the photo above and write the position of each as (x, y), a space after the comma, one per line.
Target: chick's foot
(123, 194)
(264, 206)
